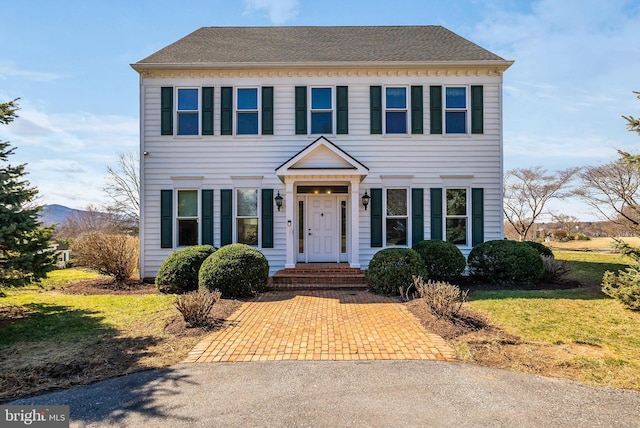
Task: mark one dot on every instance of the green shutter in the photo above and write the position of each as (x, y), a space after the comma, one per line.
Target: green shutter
(166, 111)
(375, 107)
(477, 110)
(417, 216)
(477, 216)
(342, 109)
(376, 217)
(226, 217)
(226, 110)
(207, 217)
(301, 110)
(435, 99)
(416, 110)
(267, 110)
(436, 213)
(267, 218)
(207, 111)
(166, 219)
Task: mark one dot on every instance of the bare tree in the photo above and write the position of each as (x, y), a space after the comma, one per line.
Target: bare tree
(89, 221)
(613, 191)
(527, 191)
(123, 188)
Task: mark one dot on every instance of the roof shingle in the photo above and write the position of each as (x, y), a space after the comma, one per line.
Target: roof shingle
(314, 45)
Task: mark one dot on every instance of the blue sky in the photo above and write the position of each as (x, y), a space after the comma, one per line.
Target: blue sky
(576, 65)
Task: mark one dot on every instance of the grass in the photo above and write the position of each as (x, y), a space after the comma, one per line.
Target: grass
(582, 333)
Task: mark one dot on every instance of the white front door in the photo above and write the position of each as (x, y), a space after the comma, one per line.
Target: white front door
(322, 229)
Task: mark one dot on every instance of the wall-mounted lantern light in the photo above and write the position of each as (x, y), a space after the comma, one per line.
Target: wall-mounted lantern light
(365, 200)
(278, 200)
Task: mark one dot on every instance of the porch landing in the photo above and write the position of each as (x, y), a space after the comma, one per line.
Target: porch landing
(318, 276)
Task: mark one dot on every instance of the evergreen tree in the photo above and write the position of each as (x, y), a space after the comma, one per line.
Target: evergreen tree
(24, 244)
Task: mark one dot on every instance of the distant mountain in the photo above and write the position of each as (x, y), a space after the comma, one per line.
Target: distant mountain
(56, 214)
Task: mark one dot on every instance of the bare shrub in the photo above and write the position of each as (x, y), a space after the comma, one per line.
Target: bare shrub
(196, 305)
(444, 299)
(113, 255)
(554, 269)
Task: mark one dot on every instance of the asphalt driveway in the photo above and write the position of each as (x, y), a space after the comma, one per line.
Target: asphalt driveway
(334, 393)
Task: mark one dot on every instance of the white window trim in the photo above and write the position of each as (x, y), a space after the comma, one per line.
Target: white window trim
(258, 213)
(177, 218)
(311, 110)
(467, 125)
(406, 109)
(467, 215)
(176, 112)
(407, 216)
(236, 110)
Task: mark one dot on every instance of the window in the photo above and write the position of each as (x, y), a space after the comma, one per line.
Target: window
(187, 218)
(456, 216)
(396, 219)
(247, 111)
(247, 216)
(188, 109)
(456, 110)
(321, 111)
(395, 110)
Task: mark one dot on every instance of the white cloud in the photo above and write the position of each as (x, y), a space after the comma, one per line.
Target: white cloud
(279, 11)
(11, 70)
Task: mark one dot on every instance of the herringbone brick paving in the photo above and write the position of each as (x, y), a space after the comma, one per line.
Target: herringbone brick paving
(321, 325)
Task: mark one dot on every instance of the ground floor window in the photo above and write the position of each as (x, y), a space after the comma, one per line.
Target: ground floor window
(456, 229)
(396, 217)
(247, 216)
(187, 218)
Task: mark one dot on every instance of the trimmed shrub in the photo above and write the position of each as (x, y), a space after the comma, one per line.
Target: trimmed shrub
(444, 299)
(179, 272)
(393, 268)
(113, 255)
(542, 249)
(624, 287)
(196, 305)
(505, 262)
(237, 270)
(443, 260)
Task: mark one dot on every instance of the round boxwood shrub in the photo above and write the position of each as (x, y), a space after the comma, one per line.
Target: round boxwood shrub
(443, 260)
(237, 270)
(505, 262)
(542, 249)
(179, 272)
(393, 268)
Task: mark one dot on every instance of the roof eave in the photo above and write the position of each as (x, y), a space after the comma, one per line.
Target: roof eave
(500, 64)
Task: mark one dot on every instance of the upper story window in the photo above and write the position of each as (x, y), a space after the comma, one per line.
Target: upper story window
(188, 111)
(247, 111)
(396, 217)
(321, 111)
(395, 110)
(247, 216)
(187, 218)
(456, 216)
(456, 110)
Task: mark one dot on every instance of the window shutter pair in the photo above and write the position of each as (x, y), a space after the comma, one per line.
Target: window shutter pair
(477, 109)
(375, 109)
(226, 217)
(166, 218)
(477, 215)
(342, 110)
(417, 217)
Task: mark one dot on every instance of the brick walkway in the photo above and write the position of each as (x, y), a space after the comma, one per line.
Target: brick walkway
(321, 325)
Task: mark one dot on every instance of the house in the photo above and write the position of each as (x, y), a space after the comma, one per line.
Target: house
(319, 144)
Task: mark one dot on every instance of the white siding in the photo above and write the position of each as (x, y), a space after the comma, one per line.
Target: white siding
(425, 158)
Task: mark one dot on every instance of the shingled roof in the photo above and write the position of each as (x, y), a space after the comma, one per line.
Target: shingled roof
(240, 46)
